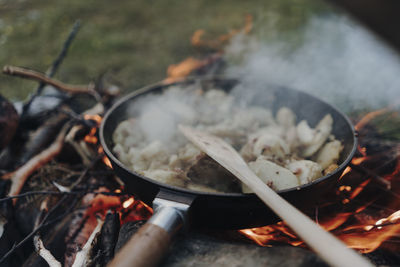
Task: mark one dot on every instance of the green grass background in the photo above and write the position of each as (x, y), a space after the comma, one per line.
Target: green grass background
(132, 41)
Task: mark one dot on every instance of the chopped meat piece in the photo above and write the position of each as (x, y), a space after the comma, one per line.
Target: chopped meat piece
(305, 170)
(305, 133)
(285, 117)
(329, 154)
(166, 177)
(271, 145)
(322, 132)
(270, 173)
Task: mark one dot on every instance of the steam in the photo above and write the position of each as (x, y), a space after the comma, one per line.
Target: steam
(161, 114)
(337, 60)
(332, 58)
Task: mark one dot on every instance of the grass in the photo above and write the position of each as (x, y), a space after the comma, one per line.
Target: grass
(132, 41)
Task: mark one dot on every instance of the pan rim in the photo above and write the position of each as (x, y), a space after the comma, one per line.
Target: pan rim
(193, 79)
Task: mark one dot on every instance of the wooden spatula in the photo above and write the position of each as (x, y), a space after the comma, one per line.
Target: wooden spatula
(333, 251)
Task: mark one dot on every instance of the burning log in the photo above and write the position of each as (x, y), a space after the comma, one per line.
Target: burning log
(108, 237)
(82, 258)
(127, 231)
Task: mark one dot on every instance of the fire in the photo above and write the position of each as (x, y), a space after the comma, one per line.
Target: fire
(176, 72)
(107, 162)
(198, 41)
(91, 137)
(183, 69)
(364, 212)
(97, 118)
(188, 66)
(369, 117)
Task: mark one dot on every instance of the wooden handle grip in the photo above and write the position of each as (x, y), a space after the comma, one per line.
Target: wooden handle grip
(146, 248)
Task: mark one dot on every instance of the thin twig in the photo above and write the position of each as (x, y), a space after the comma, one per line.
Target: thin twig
(32, 193)
(34, 75)
(56, 64)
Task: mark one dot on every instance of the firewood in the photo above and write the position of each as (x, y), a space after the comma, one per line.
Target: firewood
(19, 177)
(82, 258)
(127, 231)
(34, 75)
(44, 253)
(8, 122)
(43, 136)
(109, 237)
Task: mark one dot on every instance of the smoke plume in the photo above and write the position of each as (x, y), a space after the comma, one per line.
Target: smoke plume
(336, 59)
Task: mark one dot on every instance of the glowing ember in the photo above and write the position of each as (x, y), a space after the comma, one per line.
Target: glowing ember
(358, 161)
(346, 171)
(128, 202)
(107, 162)
(96, 118)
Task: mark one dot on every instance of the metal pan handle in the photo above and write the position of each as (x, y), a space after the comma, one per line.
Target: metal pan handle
(148, 246)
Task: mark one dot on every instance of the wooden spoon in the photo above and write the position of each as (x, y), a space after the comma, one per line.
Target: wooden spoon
(333, 251)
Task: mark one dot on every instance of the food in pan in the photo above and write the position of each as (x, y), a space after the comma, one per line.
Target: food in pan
(282, 152)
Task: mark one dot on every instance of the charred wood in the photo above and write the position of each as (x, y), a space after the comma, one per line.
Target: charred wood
(54, 241)
(108, 238)
(8, 122)
(9, 232)
(127, 231)
(43, 136)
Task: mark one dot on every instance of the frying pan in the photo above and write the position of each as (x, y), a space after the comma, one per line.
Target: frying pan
(175, 207)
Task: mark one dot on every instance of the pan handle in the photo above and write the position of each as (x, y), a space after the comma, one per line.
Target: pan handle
(148, 246)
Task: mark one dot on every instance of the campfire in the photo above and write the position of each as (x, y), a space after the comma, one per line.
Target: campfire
(61, 201)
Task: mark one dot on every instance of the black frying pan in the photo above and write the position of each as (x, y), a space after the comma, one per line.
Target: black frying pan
(176, 206)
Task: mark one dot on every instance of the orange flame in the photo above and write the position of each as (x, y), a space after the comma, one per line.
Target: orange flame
(96, 118)
(369, 117)
(198, 41)
(176, 72)
(183, 69)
